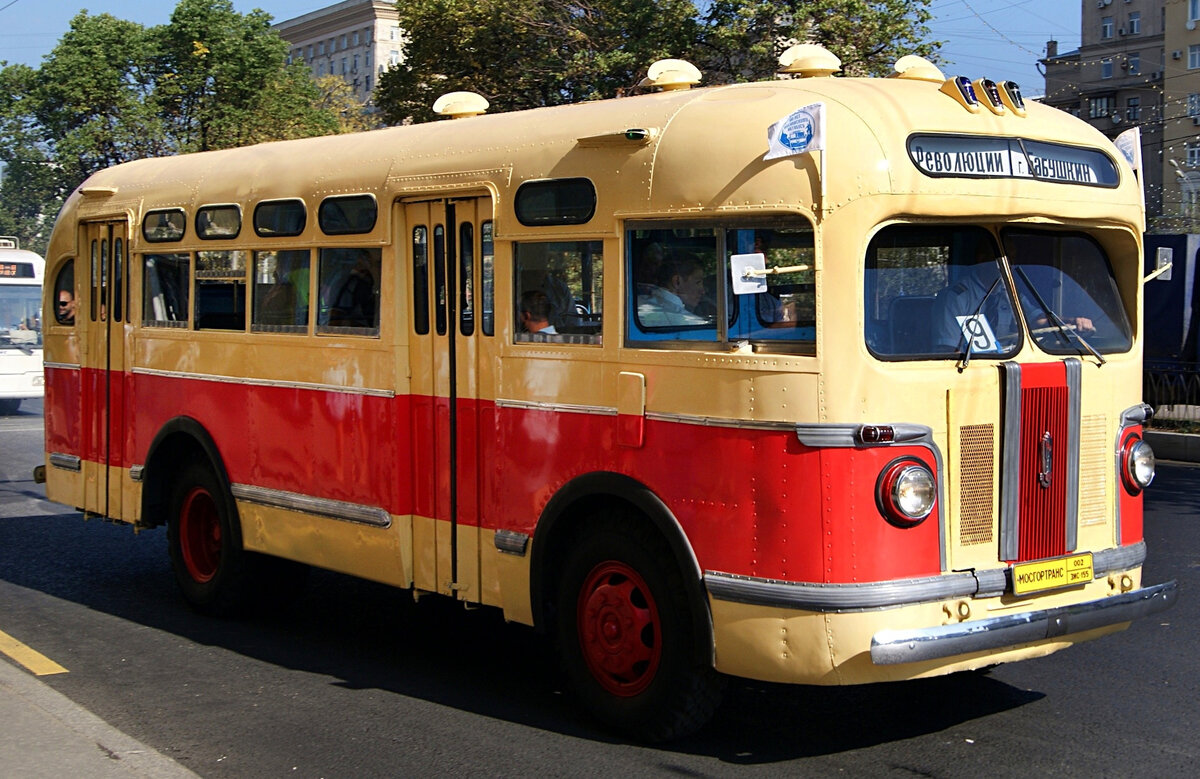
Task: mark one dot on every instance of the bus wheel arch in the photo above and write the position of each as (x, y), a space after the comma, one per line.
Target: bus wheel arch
(617, 586)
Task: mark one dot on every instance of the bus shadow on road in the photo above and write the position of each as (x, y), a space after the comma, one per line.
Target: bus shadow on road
(368, 636)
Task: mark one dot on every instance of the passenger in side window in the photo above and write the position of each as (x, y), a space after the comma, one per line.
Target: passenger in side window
(677, 290)
(534, 312)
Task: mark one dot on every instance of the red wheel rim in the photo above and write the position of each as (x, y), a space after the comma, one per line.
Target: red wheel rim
(200, 535)
(619, 629)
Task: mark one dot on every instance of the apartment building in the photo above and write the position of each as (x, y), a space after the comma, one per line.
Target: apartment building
(1181, 117)
(1115, 79)
(356, 40)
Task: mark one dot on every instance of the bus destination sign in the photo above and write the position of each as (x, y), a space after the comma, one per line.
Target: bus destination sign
(970, 156)
(16, 270)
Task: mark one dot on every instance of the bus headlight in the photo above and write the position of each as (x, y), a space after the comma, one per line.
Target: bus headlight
(1139, 465)
(905, 492)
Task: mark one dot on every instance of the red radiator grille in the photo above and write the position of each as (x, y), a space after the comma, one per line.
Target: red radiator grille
(1043, 493)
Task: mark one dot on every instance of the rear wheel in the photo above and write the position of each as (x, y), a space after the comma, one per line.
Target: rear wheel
(206, 552)
(631, 641)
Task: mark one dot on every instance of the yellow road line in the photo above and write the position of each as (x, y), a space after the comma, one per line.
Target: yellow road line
(32, 659)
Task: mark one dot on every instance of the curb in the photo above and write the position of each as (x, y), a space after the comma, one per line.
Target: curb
(1174, 446)
(49, 735)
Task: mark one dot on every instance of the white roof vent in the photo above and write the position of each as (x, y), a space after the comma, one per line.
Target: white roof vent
(809, 60)
(670, 74)
(459, 105)
(918, 68)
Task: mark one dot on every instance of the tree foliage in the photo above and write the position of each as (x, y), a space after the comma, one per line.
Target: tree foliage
(529, 53)
(526, 53)
(113, 91)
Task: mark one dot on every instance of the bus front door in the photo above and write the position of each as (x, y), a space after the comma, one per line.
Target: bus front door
(105, 310)
(447, 240)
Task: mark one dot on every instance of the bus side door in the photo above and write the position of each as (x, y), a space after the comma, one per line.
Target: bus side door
(105, 309)
(445, 239)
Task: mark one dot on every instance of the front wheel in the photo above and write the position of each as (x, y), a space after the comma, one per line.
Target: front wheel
(631, 641)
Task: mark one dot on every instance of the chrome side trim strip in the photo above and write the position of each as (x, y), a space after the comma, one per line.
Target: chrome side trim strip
(367, 391)
(65, 366)
(307, 504)
(566, 408)
(739, 424)
(1074, 368)
(1010, 462)
(812, 596)
(68, 462)
(890, 647)
(136, 472)
(512, 542)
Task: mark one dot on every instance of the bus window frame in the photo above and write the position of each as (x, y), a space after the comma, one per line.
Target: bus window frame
(725, 318)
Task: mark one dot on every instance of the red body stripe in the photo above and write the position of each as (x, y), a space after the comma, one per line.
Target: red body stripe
(751, 502)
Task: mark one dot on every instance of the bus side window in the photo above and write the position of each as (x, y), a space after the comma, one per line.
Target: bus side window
(559, 292)
(64, 294)
(165, 289)
(281, 291)
(674, 289)
(221, 290)
(349, 291)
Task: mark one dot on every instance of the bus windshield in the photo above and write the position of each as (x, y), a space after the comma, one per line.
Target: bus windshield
(937, 292)
(1068, 293)
(20, 318)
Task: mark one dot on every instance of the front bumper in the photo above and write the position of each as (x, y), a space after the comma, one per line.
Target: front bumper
(890, 647)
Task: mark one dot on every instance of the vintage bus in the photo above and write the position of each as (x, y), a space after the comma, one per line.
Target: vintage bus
(21, 374)
(818, 380)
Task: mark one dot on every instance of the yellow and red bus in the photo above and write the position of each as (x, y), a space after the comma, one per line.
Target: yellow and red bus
(21, 375)
(818, 380)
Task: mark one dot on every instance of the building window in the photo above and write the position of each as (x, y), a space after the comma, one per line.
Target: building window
(343, 66)
(1193, 104)
(1193, 10)
(1135, 23)
(321, 48)
(1194, 56)
(321, 70)
(355, 66)
(1101, 106)
(1135, 63)
(1106, 70)
(394, 57)
(308, 52)
(395, 33)
(354, 40)
(1133, 109)
(1193, 154)
(1106, 27)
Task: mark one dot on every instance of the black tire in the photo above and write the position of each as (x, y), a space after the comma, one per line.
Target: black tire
(204, 540)
(9, 406)
(635, 649)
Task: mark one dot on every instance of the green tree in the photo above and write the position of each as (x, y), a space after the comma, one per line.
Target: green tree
(743, 39)
(113, 91)
(338, 97)
(528, 53)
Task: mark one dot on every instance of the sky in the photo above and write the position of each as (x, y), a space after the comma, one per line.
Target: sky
(997, 39)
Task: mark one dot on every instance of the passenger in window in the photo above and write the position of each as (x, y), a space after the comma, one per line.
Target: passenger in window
(534, 312)
(677, 291)
(64, 307)
(352, 303)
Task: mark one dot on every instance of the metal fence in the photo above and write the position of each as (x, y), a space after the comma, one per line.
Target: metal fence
(1174, 392)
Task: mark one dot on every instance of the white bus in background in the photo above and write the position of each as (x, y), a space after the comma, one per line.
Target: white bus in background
(21, 374)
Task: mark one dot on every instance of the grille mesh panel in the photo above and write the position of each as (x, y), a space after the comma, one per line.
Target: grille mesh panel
(976, 493)
(1095, 463)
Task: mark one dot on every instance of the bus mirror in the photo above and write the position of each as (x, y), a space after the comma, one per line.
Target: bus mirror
(749, 273)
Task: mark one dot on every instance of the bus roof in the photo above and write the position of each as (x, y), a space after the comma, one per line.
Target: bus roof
(692, 151)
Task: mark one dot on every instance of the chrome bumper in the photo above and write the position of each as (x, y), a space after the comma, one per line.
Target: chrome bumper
(889, 647)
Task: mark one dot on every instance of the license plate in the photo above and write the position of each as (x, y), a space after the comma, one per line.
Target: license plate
(1045, 575)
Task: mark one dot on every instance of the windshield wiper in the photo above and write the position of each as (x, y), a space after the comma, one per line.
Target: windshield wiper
(966, 358)
(1065, 330)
